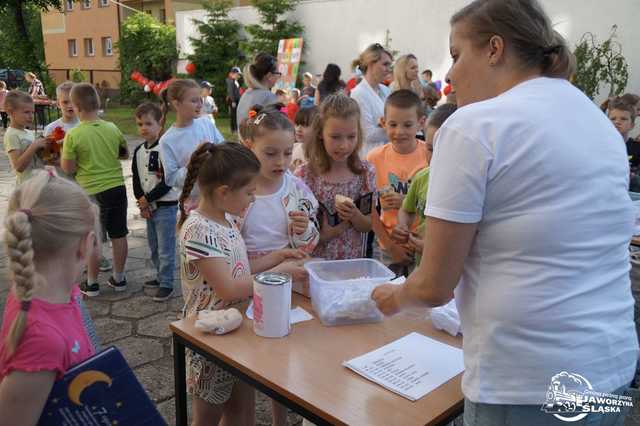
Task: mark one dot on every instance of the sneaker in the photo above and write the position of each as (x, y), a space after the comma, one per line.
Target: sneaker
(105, 265)
(151, 284)
(92, 290)
(121, 286)
(163, 294)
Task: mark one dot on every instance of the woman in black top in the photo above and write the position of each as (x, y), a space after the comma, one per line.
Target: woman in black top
(330, 83)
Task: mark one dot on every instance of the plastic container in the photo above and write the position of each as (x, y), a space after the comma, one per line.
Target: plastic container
(341, 290)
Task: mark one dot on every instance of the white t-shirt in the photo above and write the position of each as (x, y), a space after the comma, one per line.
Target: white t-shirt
(59, 123)
(265, 224)
(545, 287)
(178, 143)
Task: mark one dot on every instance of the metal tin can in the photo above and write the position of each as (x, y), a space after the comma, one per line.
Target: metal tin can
(271, 304)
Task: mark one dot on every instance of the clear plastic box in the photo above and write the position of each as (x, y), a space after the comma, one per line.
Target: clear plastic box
(341, 290)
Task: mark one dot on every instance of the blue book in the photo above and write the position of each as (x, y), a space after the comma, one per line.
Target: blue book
(102, 390)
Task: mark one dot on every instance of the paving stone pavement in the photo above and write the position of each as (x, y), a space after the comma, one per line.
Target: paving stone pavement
(131, 320)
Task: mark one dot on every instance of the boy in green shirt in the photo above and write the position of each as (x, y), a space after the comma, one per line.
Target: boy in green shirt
(416, 199)
(93, 151)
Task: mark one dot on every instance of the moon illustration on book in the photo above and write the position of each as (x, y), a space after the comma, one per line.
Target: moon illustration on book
(83, 381)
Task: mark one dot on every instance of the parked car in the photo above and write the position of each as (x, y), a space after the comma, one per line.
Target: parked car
(13, 78)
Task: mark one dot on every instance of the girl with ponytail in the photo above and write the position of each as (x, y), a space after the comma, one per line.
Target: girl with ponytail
(51, 228)
(215, 270)
(187, 133)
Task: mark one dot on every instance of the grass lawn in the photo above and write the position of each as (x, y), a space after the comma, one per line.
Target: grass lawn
(123, 117)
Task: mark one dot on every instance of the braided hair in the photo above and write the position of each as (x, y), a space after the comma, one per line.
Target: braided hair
(214, 165)
(46, 214)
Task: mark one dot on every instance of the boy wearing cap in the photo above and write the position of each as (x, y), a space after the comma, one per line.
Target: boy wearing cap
(233, 96)
(209, 107)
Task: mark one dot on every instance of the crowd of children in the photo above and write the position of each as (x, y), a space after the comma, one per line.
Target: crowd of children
(302, 166)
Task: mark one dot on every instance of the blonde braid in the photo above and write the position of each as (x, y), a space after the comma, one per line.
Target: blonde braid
(20, 249)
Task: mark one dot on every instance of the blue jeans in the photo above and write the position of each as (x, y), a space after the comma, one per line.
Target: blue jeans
(161, 235)
(478, 414)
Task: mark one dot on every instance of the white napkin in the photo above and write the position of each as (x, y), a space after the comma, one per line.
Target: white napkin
(219, 322)
(447, 318)
(297, 314)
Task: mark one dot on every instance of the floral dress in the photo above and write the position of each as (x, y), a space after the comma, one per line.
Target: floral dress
(202, 238)
(351, 244)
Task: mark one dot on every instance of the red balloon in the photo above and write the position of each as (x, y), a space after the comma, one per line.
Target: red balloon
(190, 68)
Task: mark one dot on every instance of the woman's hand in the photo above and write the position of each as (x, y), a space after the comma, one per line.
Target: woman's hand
(386, 298)
(299, 222)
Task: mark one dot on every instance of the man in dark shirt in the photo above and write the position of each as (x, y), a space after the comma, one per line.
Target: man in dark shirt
(233, 96)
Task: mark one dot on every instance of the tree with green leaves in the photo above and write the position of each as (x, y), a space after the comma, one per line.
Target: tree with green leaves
(217, 48)
(600, 64)
(273, 26)
(148, 46)
(21, 35)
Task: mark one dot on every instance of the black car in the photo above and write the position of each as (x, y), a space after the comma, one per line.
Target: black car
(13, 78)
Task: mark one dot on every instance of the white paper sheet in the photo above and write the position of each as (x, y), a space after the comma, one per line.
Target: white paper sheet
(412, 366)
(297, 314)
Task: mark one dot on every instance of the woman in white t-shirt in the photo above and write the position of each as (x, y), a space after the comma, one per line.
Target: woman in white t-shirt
(538, 261)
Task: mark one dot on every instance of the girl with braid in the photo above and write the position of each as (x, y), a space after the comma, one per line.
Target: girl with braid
(215, 270)
(51, 228)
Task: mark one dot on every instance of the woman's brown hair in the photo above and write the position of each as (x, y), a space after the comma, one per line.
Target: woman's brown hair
(214, 165)
(338, 106)
(526, 30)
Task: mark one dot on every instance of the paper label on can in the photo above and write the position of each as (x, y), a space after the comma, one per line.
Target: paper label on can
(258, 309)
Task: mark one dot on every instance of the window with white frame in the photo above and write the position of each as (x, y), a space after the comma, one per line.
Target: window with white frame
(73, 49)
(89, 50)
(104, 3)
(86, 4)
(163, 16)
(107, 46)
(69, 4)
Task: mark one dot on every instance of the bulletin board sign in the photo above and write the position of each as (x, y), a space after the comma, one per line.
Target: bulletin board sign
(289, 56)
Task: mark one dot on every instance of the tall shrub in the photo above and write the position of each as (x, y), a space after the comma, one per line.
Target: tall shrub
(600, 64)
(217, 48)
(147, 46)
(273, 26)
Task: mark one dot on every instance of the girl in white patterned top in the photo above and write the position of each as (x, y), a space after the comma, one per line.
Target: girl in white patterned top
(215, 270)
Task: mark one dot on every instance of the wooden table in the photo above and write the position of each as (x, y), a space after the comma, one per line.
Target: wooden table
(304, 371)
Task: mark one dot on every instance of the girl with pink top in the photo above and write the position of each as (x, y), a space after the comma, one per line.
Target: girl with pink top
(51, 229)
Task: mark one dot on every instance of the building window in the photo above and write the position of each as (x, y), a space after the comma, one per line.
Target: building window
(73, 51)
(104, 3)
(149, 12)
(86, 4)
(88, 47)
(69, 4)
(163, 16)
(107, 46)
